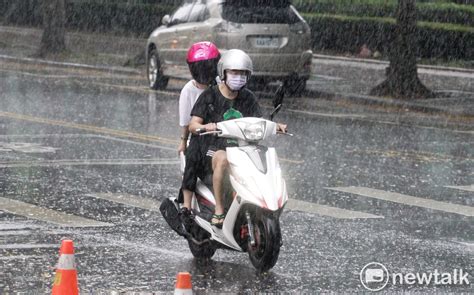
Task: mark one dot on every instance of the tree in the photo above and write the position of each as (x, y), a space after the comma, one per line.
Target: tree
(53, 39)
(401, 76)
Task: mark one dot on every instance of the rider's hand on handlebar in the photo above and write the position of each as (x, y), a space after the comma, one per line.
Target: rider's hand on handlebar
(282, 128)
(210, 127)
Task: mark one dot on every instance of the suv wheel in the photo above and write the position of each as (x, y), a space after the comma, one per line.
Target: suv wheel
(155, 76)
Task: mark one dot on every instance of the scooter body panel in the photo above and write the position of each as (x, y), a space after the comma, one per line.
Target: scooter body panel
(255, 176)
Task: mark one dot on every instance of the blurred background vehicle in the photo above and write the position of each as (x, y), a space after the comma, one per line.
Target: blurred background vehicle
(272, 32)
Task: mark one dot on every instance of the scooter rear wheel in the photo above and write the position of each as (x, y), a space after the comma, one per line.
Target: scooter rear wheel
(264, 254)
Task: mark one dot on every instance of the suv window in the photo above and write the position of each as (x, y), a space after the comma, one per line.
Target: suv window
(181, 15)
(251, 11)
(199, 13)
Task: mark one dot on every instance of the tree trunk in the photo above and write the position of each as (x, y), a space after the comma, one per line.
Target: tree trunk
(402, 78)
(54, 25)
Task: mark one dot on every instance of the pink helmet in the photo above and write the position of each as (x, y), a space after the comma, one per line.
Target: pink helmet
(202, 60)
(202, 51)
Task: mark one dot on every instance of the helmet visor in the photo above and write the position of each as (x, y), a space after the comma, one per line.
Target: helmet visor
(205, 71)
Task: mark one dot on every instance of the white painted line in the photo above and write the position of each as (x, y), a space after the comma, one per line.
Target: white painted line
(18, 225)
(15, 232)
(137, 143)
(82, 135)
(335, 78)
(23, 257)
(66, 135)
(327, 210)
(407, 200)
(330, 115)
(469, 188)
(153, 205)
(129, 200)
(47, 215)
(89, 162)
(27, 246)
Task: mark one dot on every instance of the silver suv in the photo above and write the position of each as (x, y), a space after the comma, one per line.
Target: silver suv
(274, 35)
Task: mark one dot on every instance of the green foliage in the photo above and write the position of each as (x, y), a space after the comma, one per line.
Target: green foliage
(444, 12)
(340, 33)
(103, 16)
(338, 26)
(122, 18)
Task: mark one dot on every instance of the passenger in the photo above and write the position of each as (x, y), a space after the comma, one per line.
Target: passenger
(227, 100)
(202, 60)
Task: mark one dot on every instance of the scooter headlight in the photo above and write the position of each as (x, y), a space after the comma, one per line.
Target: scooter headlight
(254, 131)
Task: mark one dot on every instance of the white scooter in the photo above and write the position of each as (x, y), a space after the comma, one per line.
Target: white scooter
(254, 198)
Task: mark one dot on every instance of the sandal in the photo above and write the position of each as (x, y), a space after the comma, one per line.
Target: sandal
(220, 220)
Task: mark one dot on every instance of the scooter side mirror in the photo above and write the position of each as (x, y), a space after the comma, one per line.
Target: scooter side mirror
(278, 100)
(166, 20)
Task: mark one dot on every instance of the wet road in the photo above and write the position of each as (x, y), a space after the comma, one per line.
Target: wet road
(366, 185)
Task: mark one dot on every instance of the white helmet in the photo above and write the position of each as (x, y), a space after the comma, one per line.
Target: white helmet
(234, 59)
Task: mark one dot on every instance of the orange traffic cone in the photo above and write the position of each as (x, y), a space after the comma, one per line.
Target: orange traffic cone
(65, 281)
(183, 284)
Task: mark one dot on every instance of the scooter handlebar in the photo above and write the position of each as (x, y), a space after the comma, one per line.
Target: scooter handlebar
(285, 133)
(200, 130)
(210, 132)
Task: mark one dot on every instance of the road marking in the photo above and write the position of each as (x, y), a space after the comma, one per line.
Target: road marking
(27, 246)
(407, 200)
(47, 215)
(21, 225)
(469, 188)
(292, 161)
(89, 162)
(327, 210)
(407, 154)
(153, 205)
(335, 78)
(15, 233)
(102, 130)
(27, 148)
(21, 256)
(330, 115)
(82, 135)
(129, 200)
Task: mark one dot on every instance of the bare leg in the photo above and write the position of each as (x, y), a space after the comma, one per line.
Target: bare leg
(219, 166)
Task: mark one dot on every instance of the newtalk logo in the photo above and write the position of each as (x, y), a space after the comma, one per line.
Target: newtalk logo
(375, 276)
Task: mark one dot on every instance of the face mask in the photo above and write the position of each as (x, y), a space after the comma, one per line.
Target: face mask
(236, 82)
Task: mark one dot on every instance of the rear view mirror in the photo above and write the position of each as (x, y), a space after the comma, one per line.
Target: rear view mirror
(279, 95)
(166, 20)
(278, 100)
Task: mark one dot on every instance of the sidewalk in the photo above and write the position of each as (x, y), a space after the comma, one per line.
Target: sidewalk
(352, 79)
(334, 78)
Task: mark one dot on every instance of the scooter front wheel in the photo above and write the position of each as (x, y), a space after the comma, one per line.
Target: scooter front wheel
(204, 251)
(264, 254)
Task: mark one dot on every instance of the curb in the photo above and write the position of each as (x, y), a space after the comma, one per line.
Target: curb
(383, 62)
(387, 102)
(26, 60)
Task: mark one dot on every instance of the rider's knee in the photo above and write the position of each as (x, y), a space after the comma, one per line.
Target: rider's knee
(220, 159)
